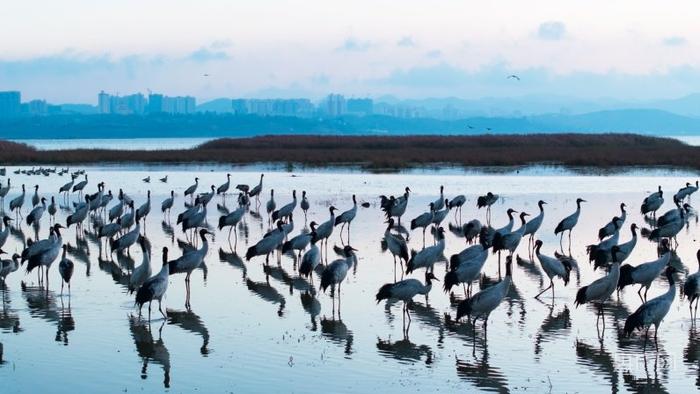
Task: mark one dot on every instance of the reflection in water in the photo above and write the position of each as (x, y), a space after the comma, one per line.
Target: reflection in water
(600, 361)
(337, 332)
(651, 382)
(42, 305)
(312, 306)
(148, 349)
(189, 321)
(405, 350)
(691, 353)
(264, 291)
(553, 327)
(9, 319)
(234, 260)
(480, 373)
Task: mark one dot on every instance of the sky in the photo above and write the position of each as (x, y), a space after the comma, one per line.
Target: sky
(68, 51)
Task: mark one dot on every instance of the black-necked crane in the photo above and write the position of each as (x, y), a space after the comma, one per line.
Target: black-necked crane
(602, 288)
(35, 197)
(270, 206)
(205, 198)
(154, 288)
(286, 210)
(255, 191)
(601, 252)
(125, 241)
(405, 290)
(80, 186)
(325, 229)
(612, 226)
(128, 219)
(3, 192)
(8, 266)
(645, 273)
(304, 204)
(465, 267)
(52, 209)
(440, 215)
(673, 214)
(534, 224)
(652, 203)
(623, 250)
(509, 241)
(117, 210)
(164, 179)
(189, 262)
(167, 204)
(44, 252)
(553, 267)
(691, 288)
(65, 269)
(66, 188)
(347, 217)
(299, 242)
(147, 179)
(652, 312)
(395, 206)
(144, 209)
(231, 220)
(439, 203)
(311, 259)
(268, 244)
(424, 220)
(687, 191)
(486, 201)
(568, 224)
(334, 274)
(190, 191)
(427, 257)
(395, 244)
(223, 189)
(457, 203)
(17, 203)
(144, 271)
(484, 302)
(5, 232)
(36, 213)
(669, 230)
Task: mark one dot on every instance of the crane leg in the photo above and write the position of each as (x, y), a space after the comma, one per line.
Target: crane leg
(541, 292)
(161, 309)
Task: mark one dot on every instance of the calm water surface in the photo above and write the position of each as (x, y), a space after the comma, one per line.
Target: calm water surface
(252, 329)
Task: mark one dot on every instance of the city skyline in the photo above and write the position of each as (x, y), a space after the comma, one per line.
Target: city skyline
(305, 49)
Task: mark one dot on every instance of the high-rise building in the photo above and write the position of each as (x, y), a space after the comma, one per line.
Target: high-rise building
(103, 103)
(336, 105)
(273, 107)
(10, 104)
(35, 108)
(362, 106)
(155, 103)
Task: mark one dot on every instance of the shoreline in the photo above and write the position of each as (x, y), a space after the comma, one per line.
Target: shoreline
(598, 152)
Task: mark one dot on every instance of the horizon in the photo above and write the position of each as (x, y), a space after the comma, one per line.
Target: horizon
(455, 49)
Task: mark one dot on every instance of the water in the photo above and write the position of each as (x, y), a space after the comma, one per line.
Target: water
(115, 143)
(257, 330)
(167, 143)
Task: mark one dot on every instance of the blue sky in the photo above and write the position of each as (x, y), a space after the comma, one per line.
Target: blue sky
(67, 51)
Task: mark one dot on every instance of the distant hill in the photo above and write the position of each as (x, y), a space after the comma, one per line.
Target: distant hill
(221, 105)
(641, 121)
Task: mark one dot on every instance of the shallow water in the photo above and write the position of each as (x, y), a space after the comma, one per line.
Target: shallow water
(253, 330)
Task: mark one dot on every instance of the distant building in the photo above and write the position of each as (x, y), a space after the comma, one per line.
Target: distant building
(400, 111)
(155, 103)
(336, 105)
(363, 106)
(103, 103)
(273, 107)
(10, 104)
(179, 105)
(35, 108)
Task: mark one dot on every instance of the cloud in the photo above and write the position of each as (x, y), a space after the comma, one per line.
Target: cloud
(551, 30)
(205, 54)
(221, 44)
(406, 41)
(434, 54)
(675, 41)
(354, 45)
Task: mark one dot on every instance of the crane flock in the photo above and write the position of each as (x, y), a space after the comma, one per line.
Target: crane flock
(123, 227)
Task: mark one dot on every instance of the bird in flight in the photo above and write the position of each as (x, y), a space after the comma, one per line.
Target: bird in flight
(513, 76)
